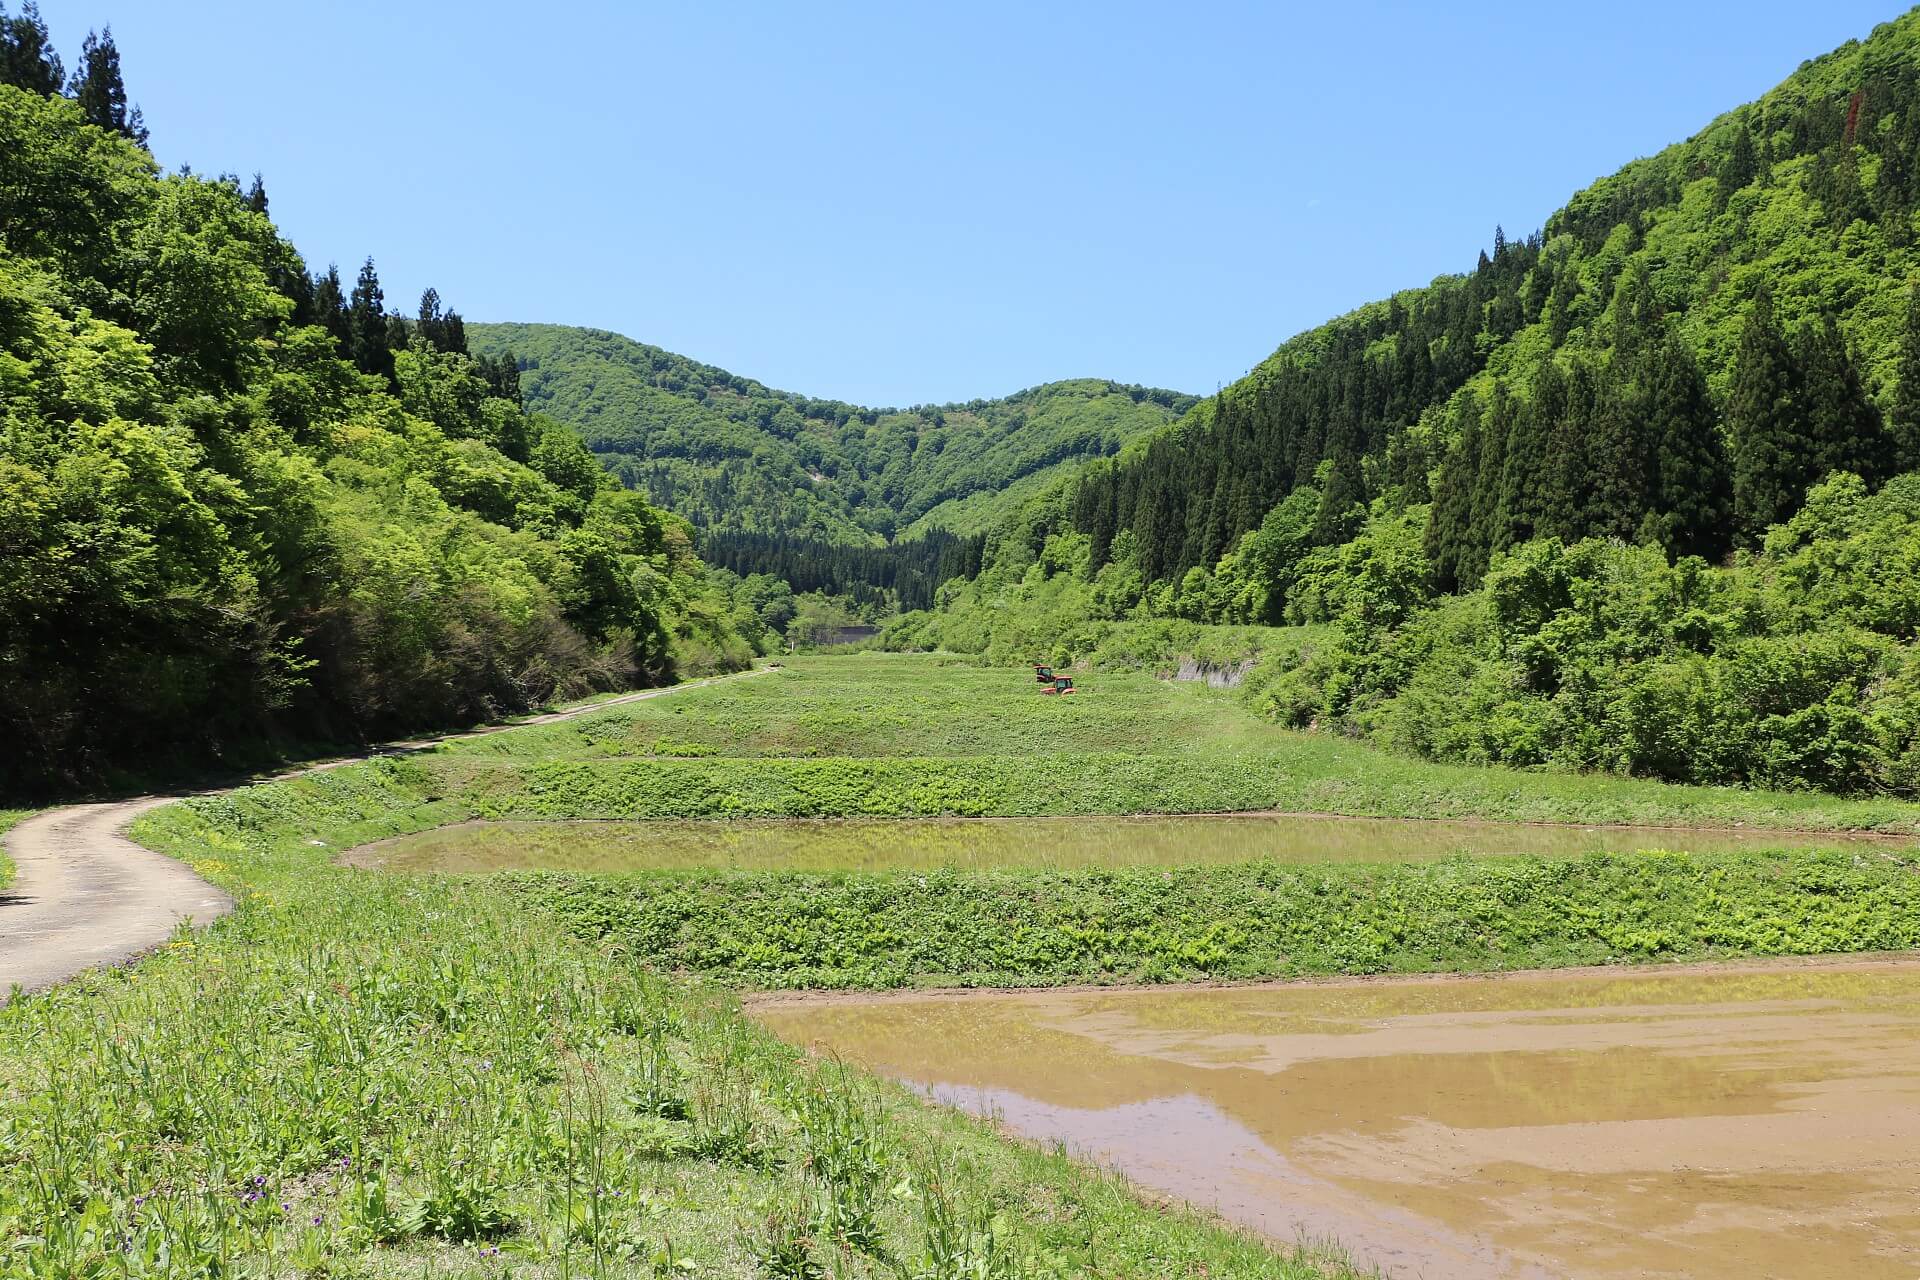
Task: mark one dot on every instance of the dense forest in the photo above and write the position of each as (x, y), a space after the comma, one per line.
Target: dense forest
(1617, 498)
(736, 457)
(876, 581)
(241, 500)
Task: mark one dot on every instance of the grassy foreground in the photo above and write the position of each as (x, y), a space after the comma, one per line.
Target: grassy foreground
(366, 1075)
(360, 1074)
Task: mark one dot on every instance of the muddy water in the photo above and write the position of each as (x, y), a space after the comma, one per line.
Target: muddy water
(1725, 1123)
(810, 845)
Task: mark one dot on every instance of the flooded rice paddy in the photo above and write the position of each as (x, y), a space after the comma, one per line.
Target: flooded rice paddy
(984, 843)
(1705, 1123)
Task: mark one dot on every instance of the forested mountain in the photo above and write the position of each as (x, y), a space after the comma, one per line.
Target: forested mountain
(734, 456)
(1687, 350)
(239, 500)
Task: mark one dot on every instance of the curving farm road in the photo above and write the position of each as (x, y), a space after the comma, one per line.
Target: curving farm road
(85, 895)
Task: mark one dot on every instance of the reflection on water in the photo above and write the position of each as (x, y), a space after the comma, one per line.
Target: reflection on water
(877, 844)
(1729, 1123)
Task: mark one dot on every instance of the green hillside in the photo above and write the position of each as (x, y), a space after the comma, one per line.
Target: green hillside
(1627, 496)
(238, 505)
(735, 456)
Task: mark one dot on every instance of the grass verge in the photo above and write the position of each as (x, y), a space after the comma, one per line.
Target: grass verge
(10, 818)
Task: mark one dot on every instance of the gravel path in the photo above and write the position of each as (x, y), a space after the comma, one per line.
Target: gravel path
(85, 895)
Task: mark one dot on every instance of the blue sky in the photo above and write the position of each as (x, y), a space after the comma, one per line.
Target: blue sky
(899, 203)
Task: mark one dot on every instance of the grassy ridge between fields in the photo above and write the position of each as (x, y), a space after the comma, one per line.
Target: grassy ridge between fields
(1021, 928)
(360, 1074)
(1115, 783)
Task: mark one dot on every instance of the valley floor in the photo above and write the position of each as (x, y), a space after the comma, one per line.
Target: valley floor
(368, 1073)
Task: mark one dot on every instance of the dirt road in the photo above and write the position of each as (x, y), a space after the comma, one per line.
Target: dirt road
(85, 895)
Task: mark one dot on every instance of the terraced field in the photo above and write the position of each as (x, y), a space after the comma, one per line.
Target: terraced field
(381, 1073)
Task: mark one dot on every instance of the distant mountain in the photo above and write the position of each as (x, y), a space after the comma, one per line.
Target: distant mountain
(735, 456)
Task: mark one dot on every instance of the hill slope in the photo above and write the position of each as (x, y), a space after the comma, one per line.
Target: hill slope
(1635, 493)
(733, 455)
(233, 505)
(1601, 353)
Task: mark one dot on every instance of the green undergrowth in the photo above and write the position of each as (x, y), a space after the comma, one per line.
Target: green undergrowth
(1037, 928)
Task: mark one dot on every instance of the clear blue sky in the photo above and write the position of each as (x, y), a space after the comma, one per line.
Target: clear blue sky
(893, 202)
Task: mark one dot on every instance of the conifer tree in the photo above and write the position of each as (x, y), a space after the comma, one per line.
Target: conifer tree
(1449, 532)
(442, 328)
(1568, 473)
(100, 91)
(1489, 518)
(257, 196)
(27, 58)
(503, 380)
(1772, 457)
(1523, 474)
(1693, 484)
(330, 309)
(1740, 166)
(367, 324)
(1562, 300)
(1618, 457)
(1904, 421)
(1346, 487)
(1841, 422)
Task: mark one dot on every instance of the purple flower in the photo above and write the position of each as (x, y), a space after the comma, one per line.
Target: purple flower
(316, 1219)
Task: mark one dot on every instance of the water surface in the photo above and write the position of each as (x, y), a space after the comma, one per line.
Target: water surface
(1724, 1123)
(801, 844)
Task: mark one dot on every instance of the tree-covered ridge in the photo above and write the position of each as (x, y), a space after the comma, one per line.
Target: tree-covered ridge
(1589, 377)
(1635, 494)
(234, 504)
(735, 456)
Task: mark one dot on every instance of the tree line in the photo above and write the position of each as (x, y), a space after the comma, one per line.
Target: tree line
(876, 580)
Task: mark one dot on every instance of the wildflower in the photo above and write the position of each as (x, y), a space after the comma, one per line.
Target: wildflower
(316, 1219)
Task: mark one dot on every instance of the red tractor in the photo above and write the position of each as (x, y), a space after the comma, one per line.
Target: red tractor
(1061, 685)
(1042, 674)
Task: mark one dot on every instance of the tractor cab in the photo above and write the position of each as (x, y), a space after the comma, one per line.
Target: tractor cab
(1060, 685)
(1042, 674)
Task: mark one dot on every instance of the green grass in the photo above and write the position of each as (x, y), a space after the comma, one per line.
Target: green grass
(423, 1070)
(9, 818)
(906, 735)
(359, 1074)
(1261, 920)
